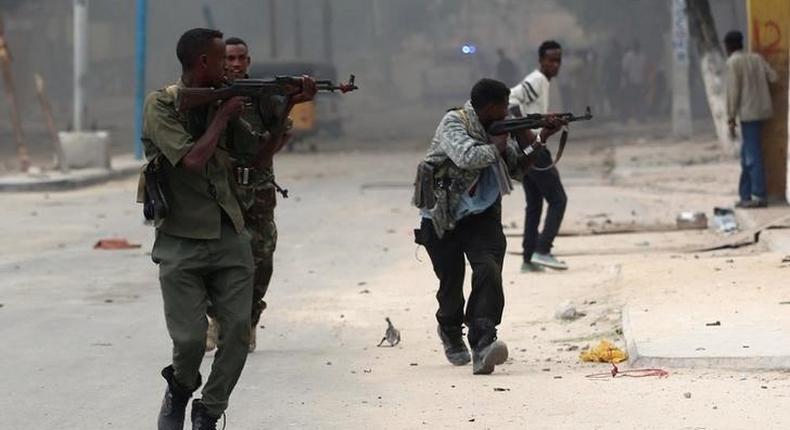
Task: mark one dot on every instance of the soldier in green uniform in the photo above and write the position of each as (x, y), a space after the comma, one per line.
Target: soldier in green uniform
(202, 247)
(253, 174)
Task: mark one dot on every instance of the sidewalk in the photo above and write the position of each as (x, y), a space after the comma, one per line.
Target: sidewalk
(122, 166)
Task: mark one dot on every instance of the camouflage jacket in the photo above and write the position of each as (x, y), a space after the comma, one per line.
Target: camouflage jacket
(460, 150)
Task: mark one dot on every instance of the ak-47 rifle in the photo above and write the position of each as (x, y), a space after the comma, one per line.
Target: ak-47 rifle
(271, 98)
(534, 121)
(284, 86)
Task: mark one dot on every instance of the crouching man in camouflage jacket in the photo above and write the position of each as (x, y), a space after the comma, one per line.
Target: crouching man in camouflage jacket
(458, 190)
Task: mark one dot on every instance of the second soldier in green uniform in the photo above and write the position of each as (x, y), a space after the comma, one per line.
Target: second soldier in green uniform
(253, 174)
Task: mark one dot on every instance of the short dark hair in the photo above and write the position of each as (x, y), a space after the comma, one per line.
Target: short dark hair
(487, 91)
(547, 46)
(194, 43)
(733, 39)
(235, 41)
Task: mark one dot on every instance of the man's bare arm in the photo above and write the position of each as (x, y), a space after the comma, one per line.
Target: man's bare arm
(197, 157)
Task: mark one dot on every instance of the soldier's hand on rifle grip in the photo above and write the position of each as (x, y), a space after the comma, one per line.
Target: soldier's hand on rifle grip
(553, 125)
(232, 107)
(499, 141)
(308, 90)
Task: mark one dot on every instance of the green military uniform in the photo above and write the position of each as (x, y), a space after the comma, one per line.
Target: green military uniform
(257, 196)
(202, 249)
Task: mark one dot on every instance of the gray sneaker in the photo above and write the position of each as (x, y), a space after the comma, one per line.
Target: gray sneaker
(527, 267)
(549, 261)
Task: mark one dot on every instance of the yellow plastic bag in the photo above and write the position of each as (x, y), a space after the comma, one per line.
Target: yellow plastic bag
(604, 352)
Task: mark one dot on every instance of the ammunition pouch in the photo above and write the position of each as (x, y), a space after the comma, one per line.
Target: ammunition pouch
(154, 198)
(424, 186)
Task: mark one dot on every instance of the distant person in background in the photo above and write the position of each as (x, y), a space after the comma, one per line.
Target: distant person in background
(633, 81)
(612, 78)
(506, 70)
(748, 100)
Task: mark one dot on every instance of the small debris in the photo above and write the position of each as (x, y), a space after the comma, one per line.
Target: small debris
(764, 387)
(113, 244)
(713, 324)
(745, 347)
(365, 291)
(414, 364)
(367, 370)
(471, 420)
(786, 259)
(785, 302)
(546, 369)
(108, 300)
(692, 220)
(566, 311)
(558, 377)
(687, 395)
(101, 344)
(1, 305)
(501, 389)
(572, 348)
(361, 283)
(328, 363)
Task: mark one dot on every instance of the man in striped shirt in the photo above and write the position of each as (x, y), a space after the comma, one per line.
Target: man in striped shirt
(540, 182)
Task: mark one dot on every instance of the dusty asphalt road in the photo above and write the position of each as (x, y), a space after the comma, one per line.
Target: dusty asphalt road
(83, 334)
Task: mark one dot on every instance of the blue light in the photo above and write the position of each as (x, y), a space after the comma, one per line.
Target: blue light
(468, 49)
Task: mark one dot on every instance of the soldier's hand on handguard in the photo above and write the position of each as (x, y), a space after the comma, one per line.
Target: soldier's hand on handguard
(553, 125)
(232, 107)
(499, 141)
(308, 90)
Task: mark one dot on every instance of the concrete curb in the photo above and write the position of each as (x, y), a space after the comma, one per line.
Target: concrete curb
(677, 359)
(122, 167)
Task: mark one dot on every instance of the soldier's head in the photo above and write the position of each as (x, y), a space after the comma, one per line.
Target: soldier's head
(550, 58)
(201, 52)
(237, 58)
(733, 41)
(490, 100)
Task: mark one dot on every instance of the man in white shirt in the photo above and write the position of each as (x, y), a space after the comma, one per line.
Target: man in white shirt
(532, 96)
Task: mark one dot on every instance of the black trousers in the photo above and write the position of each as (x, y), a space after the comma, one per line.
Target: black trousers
(539, 186)
(481, 240)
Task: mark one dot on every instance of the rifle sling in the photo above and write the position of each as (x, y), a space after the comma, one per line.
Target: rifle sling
(560, 150)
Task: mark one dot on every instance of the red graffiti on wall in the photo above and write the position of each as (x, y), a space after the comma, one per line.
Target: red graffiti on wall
(767, 37)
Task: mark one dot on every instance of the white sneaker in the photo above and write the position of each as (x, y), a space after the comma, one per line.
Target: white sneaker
(549, 261)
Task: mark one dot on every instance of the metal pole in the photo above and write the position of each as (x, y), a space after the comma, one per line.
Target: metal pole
(297, 28)
(328, 53)
(139, 90)
(273, 28)
(80, 61)
(681, 101)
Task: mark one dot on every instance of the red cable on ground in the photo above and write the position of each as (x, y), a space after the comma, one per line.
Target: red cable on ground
(631, 373)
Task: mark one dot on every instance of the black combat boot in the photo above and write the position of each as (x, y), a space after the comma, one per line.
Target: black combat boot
(174, 404)
(487, 351)
(201, 420)
(454, 347)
